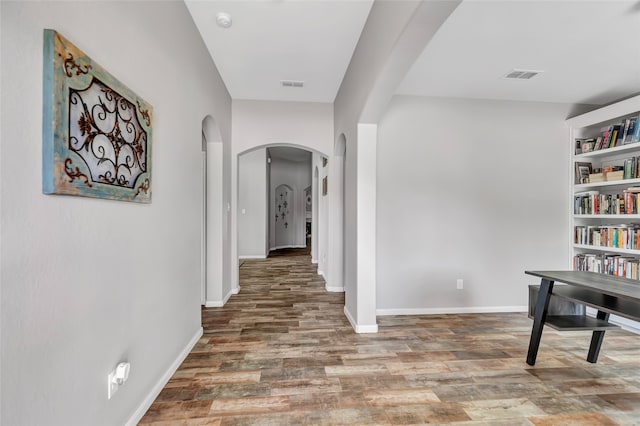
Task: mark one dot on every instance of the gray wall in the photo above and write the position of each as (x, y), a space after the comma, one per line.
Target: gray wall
(87, 283)
(469, 189)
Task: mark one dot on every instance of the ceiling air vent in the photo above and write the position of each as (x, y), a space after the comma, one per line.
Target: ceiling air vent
(517, 74)
(291, 83)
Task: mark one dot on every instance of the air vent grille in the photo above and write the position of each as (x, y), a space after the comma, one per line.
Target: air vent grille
(517, 74)
(291, 83)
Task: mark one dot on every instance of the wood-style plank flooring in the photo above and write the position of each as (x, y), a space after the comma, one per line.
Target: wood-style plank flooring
(281, 352)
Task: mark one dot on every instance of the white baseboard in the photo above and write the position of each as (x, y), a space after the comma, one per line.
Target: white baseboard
(218, 303)
(253, 256)
(235, 290)
(360, 328)
(314, 261)
(155, 391)
(334, 289)
(459, 310)
(321, 273)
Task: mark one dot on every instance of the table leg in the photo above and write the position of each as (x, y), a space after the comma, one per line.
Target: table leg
(538, 319)
(596, 339)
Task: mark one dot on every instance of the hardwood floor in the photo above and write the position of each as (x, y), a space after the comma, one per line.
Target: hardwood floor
(281, 352)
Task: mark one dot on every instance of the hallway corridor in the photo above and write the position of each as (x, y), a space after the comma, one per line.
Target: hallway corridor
(282, 352)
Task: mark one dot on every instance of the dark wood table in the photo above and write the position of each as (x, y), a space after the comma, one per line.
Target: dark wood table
(606, 293)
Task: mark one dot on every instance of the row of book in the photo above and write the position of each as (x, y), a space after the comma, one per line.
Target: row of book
(625, 132)
(592, 202)
(614, 236)
(610, 264)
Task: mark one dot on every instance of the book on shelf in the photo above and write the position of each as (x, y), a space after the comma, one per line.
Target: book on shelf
(610, 264)
(623, 133)
(598, 145)
(606, 137)
(628, 136)
(625, 237)
(629, 168)
(624, 129)
(636, 130)
(614, 136)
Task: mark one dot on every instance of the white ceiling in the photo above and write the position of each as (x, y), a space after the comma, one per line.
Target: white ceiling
(589, 52)
(273, 40)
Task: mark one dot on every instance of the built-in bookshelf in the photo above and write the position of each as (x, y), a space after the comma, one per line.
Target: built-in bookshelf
(605, 213)
(605, 182)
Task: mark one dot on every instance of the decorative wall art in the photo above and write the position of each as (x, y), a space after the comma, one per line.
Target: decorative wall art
(324, 185)
(307, 198)
(283, 203)
(96, 131)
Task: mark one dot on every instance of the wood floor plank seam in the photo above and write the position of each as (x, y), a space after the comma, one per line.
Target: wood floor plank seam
(281, 352)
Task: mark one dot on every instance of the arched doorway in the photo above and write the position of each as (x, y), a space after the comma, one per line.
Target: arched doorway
(300, 203)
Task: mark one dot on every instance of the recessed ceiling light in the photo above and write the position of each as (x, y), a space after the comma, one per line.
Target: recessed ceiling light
(223, 19)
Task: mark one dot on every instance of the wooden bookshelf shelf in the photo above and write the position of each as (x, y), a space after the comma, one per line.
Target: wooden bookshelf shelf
(613, 184)
(607, 249)
(611, 197)
(607, 216)
(610, 151)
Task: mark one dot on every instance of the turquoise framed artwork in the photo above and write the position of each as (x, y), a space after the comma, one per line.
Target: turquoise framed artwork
(96, 131)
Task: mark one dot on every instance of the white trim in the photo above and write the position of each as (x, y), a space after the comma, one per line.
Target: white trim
(253, 256)
(625, 324)
(155, 391)
(235, 290)
(360, 328)
(289, 246)
(218, 303)
(334, 289)
(458, 310)
(321, 273)
(314, 261)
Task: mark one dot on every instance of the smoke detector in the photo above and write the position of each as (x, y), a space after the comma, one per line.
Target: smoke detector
(291, 83)
(223, 19)
(519, 74)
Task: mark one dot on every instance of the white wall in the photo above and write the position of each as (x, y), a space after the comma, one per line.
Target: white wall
(322, 216)
(297, 176)
(252, 204)
(469, 189)
(263, 123)
(87, 283)
(215, 226)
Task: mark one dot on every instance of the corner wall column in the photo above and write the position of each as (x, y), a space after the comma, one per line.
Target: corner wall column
(366, 228)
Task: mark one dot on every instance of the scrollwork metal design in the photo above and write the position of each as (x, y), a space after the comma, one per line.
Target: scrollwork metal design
(144, 113)
(144, 187)
(75, 173)
(105, 132)
(71, 64)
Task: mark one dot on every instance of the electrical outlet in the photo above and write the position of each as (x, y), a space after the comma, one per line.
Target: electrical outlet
(460, 284)
(112, 384)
